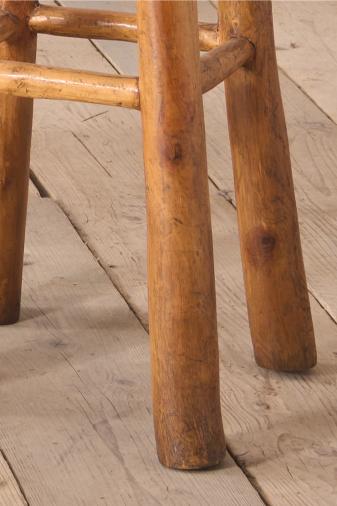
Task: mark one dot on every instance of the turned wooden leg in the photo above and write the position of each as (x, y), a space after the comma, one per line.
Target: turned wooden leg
(182, 312)
(276, 289)
(15, 135)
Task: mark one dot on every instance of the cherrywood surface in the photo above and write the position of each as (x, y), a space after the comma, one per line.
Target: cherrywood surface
(98, 24)
(276, 289)
(219, 63)
(77, 22)
(15, 135)
(182, 309)
(8, 24)
(37, 81)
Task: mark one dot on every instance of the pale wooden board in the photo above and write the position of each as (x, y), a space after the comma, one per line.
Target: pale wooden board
(75, 406)
(306, 40)
(57, 128)
(10, 493)
(281, 427)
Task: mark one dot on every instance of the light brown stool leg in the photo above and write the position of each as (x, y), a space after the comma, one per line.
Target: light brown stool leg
(182, 312)
(15, 136)
(276, 289)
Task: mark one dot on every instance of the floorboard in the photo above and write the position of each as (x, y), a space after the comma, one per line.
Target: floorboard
(306, 40)
(10, 491)
(75, 409)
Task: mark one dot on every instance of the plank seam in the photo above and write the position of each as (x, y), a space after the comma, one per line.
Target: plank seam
(45, 194)
(252, 480)
(299, 87)
(38, 185)
(90, 153)
(106, 58)
(4, 456)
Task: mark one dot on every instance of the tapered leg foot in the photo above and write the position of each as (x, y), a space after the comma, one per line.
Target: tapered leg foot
(276, 289)
(15, 135)
(182, 312)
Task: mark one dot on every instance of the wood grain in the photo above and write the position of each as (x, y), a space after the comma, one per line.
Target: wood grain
(306, 42)
(182, 311)
(276, 289)
(219, 63)
(100, 24)
(86, 23)
(15, 135)
(38, 81)
(10, 493)
(8, 25)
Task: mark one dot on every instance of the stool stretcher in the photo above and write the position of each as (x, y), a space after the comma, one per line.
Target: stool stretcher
(36, 81)
(100, 24)
(219, 63)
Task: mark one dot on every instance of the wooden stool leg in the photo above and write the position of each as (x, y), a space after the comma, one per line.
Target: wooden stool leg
(182, 312)
(15, 135)
(277, 297)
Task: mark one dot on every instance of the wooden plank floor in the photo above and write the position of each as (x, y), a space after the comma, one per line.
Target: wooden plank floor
(75, 419)
(75, 405)
(307, 30)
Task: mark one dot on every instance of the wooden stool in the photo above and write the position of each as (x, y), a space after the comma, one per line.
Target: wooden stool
(182, 311)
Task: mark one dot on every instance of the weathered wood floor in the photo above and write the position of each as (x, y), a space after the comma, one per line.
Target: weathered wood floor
(75, 406)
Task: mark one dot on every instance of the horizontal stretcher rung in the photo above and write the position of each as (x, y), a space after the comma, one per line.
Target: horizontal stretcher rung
(98, 24)
(219, 63)
(37, 81)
